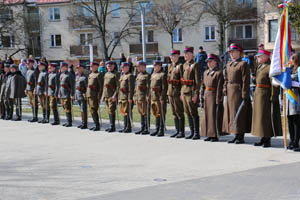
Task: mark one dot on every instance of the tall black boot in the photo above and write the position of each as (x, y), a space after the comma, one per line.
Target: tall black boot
(262, 141)
(3, 113)
(240, 139)
(234, 139)
(56, 118)
(267, 143)
(44, 116)
(161, 132)
(125, 124)
(157, 123)
(291, 131)
(147, 126)
(84, 118)
(33, 115)
(197, 128)
(181, 128)
(191, 124)
(47, 117)
(96, 121)
(176, 121)
(69, 119)
(128, 128)
(110, 116)
(112, 124)
(143, 124)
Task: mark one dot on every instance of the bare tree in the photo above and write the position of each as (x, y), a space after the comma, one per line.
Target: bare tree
(100, 12)
(170, 14)
(225, 11)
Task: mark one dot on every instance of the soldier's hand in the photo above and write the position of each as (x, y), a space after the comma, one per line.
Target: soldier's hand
(181, 98)
(195, 98)
(114, 98)
(130, 101)
(72, 98)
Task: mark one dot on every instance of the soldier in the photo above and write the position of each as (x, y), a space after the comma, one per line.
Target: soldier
(158, 95)
(212, 99)
(80, 95)
(2, 78)
(31, 78)
(93, 93)
(110, 93)
(175, 72)
(190, 90)
(53, 87)
(4, 100)
(237, 107)
(141, 94)
(126, 92)
(266, 121)
(66, 92)
(41, 92)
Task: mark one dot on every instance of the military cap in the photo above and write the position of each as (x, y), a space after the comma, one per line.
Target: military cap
(30, 60)
(125, 64)
(52, 65)
(263, 52)
(235, 46)
(80, 65)
(13, 66)
(212, 56)
(43, 63)
(157, 62)
(188, 49)
(63, 64)
(6, 65)
(141, 63)
(110, 62)
(95, 63)
(174, 52)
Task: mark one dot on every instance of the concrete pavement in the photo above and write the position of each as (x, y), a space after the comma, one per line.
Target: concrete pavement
(42, 162)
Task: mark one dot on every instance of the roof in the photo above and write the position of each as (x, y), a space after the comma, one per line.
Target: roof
(52, 1)
(8, 2)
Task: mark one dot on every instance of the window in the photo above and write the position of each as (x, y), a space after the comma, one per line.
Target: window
(246, 3)
(177, 35)
(7, 41)
(85, 12)
(116, 38)
(86, 39)
(54, 14)
(148, 7)
(210, 33)
(150, 36)
(115, 10)
(273, 28)
(244, 31)
(6, 15)
(55, 41)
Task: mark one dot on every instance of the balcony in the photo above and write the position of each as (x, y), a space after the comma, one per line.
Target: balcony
(245, 14)
(36, 52)
(136, 21)
(82, 51)
(151, 48)
(81, 23)
(247, 44)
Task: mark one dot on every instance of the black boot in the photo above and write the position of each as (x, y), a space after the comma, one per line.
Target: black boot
(142, 125)
(125, 124)
(56, 118)
(262, 141)
(47, 117)
(147, 126)
(208, 139)
(128, 128)
(181, 128)
(96, 121)
(267, 143)
(109, 123)
(161, 132)
(69, 119)
(34, 115)
(197, 128)
(291, 131)
(44, 117)
(233, 140)
(84, 120)
(112, 124)
(176, 121)
(191, 124)
(240, 139)
(157, 123)
(214, 139)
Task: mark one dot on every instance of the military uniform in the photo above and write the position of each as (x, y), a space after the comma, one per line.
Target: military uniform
(53, 87)
(141, 99)
(191, 82)
(31, 77)
(158, 93)
(81, 86)
(66, 91)
(3, 96)
(110, 89)
(237, 90)
(41, 91)
(212, 100)
(126, 92)
(175, 72)
(266, 119)
(2, 84)
(93, 94)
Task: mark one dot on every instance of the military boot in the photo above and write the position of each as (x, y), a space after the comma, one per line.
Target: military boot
(240, 139)
(128, 127)
(69, 119)
(44, 117)
(262, 141)
(143, 125)
(181, 128)
(267, 143)
(157, 123)
(96, 121)
(233, 140)
(56, 118)
(125, 124)
(109, 123)
(147, 126)
(191, 124)
(112, 124)
(161, 132)
(47, 117)
(197, 128)
(84, 120)
(176, 121)
(33, 116)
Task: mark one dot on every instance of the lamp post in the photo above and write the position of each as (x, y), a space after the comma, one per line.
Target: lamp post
(143, 5)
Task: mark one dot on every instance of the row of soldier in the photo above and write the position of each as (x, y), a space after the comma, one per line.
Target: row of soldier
(224, 97)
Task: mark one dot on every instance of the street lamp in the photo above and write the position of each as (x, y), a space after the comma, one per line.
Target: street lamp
(143, 5)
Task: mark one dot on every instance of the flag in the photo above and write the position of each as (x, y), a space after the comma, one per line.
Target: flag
(280, 71)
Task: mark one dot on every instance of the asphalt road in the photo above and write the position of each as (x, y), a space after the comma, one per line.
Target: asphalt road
(42, 162)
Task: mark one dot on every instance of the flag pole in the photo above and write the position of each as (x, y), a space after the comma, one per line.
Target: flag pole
(284, 119)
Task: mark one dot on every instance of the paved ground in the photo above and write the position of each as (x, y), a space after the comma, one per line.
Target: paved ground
(42, 162)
